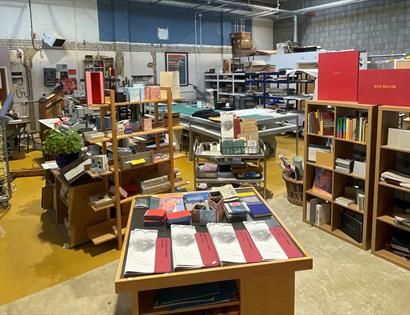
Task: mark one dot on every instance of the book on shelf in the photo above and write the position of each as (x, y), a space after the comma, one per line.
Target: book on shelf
(318, 212)
(195, 295)
(321, 122)
(344, 165)
(322, 182)
(344, 201)
(314, 148)
(396, 178)
(351, 223)
(353, 128)
(400, 241)
(399, 138)
(359, 168)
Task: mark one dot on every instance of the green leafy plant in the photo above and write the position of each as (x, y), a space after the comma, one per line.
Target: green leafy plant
(62, 142)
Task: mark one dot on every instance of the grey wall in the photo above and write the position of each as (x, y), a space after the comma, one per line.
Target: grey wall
(378, 26)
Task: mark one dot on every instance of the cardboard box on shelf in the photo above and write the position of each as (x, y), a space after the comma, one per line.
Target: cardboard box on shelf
(227, 66)
(325, 159)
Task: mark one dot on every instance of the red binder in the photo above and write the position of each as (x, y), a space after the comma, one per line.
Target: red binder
(207, 250)
(285, 242)
(249, 250)
(384, 87)
(94, 82)
(163, 255)
(338, 76)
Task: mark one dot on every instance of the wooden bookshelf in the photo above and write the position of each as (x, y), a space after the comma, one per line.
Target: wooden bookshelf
(342, 148)
(385, 194)
(107, 230)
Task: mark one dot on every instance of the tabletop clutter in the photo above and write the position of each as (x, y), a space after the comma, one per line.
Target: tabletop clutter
(206, 229)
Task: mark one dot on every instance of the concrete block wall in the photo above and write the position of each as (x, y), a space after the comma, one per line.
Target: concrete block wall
(377, 26)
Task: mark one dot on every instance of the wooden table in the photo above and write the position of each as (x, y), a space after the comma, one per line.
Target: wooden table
(264, 288)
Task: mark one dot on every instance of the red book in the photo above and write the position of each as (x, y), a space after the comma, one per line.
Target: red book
(285, 242)
(157, 215)
(338, 76)
(249, 250)
(178, 215)
(236, 127)
(207, 249)
(163, 255)
(384, 87)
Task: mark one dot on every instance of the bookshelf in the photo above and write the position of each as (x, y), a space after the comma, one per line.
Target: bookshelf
(354, 143)
(109, 229)
(386, 195)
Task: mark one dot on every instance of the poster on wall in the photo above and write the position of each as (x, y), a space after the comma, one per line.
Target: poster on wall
(178, 62)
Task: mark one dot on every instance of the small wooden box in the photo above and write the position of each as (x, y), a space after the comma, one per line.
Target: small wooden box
(324, 159)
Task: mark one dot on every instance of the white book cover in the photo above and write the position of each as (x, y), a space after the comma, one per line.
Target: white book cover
(266, 244)
(185, 251)
(141, 252)
(226, 244)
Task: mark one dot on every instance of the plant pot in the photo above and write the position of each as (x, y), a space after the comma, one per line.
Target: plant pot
(65, 159)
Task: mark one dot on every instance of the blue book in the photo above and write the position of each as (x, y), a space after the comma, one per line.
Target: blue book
(259, 210)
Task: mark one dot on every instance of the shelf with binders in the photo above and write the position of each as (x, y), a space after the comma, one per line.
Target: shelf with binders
(344, 162)
(392, 197)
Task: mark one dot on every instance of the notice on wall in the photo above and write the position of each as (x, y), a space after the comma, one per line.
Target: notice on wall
(163, 33)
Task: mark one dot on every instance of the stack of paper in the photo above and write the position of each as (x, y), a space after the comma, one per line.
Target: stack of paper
(396, 178)
(141, 252)
(185, 252)
(226, 244)
(264, 241)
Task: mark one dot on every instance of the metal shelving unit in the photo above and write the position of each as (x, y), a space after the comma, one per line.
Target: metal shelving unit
(293, 87)
(261, 156)
(220, 80)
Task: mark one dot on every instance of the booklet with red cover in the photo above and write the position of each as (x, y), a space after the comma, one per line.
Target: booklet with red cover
(207, 250)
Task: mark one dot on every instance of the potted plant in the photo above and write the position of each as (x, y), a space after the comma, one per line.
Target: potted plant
(64, 146)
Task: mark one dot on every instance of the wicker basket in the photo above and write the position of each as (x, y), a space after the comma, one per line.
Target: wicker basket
(294, 188)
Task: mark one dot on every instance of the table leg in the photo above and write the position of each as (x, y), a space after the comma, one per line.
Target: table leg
(268, 294)
(134, 303)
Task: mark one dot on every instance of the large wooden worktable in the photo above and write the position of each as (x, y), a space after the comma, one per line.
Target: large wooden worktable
(264, 288)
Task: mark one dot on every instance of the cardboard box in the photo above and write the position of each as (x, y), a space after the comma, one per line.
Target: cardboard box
(324, 159)
(398, 138)
(384, 87)
(338, 76)
(227, 66)
(402, 64)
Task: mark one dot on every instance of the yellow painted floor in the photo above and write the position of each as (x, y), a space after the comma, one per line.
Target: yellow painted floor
(32, 256)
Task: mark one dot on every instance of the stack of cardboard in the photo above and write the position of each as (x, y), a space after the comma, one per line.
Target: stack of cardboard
(242, 44)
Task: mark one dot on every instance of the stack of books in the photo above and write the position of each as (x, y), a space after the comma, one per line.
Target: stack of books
(396, 178)
(321, 122)
(195, 295)
(344, 165)
(352, 128)
(318, 212)
(180, 217)
(236, 211)
(400, 243)
(154, 217)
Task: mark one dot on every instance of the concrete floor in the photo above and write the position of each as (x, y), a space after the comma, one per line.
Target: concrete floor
(32, 256)
(344, 280)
